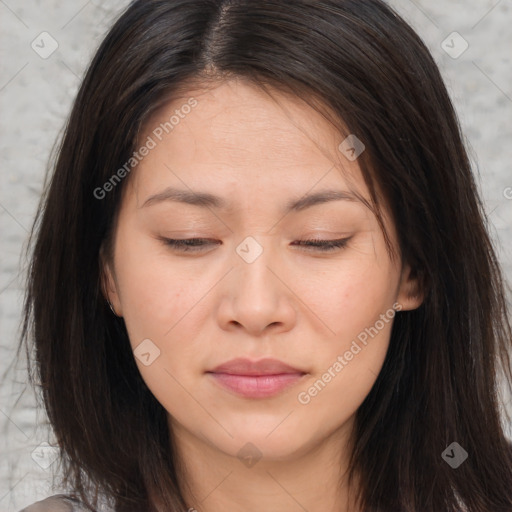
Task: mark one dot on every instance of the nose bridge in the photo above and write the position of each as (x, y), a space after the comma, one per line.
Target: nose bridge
(256, 255)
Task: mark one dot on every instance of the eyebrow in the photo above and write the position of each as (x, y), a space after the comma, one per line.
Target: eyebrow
(207, 200)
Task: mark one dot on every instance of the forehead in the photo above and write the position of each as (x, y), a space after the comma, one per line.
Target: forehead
(238, 135)
(240, 119)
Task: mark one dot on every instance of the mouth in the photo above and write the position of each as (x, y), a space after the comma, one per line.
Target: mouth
(256, 379)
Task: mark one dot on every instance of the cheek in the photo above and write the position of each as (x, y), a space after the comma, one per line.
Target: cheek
(355, 302)
(360, 320)
(161, 303)
(155, 294)
(351, 296)
(348, 363)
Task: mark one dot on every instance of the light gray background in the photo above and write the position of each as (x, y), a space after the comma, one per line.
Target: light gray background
(35, 98)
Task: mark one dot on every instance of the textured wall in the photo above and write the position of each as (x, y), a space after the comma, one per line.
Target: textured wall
(36, 91)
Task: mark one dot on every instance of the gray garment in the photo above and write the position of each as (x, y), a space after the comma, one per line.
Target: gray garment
(56, 503)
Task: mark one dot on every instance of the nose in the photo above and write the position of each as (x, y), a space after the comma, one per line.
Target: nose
(257, 295)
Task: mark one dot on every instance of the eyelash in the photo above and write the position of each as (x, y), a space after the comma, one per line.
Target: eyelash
(190, 244)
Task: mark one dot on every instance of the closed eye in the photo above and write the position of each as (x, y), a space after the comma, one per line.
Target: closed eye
(325, 245)
(197, 244)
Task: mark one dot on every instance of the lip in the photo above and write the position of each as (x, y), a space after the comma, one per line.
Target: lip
(256, 379)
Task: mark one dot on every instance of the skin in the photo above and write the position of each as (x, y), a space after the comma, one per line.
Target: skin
(296, 304)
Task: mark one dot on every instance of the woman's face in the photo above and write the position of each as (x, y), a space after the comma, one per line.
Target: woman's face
(251, 291)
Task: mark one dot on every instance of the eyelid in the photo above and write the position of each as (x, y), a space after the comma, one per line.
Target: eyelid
(321, 245)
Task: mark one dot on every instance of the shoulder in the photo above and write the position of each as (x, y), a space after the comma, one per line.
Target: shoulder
(56, 503)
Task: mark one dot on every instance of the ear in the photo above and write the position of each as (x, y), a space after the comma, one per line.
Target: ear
(109, 285)
(411, 290)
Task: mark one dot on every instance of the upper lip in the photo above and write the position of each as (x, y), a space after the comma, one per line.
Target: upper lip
(241, 366)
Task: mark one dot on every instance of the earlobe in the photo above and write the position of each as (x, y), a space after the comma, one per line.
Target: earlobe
(410, 293)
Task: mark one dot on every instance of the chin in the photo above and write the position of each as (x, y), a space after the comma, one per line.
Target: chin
(266, 442)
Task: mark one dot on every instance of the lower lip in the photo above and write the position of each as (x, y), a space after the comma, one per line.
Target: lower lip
(257, 386)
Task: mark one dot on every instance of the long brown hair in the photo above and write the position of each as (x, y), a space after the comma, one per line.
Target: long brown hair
(439, 381)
